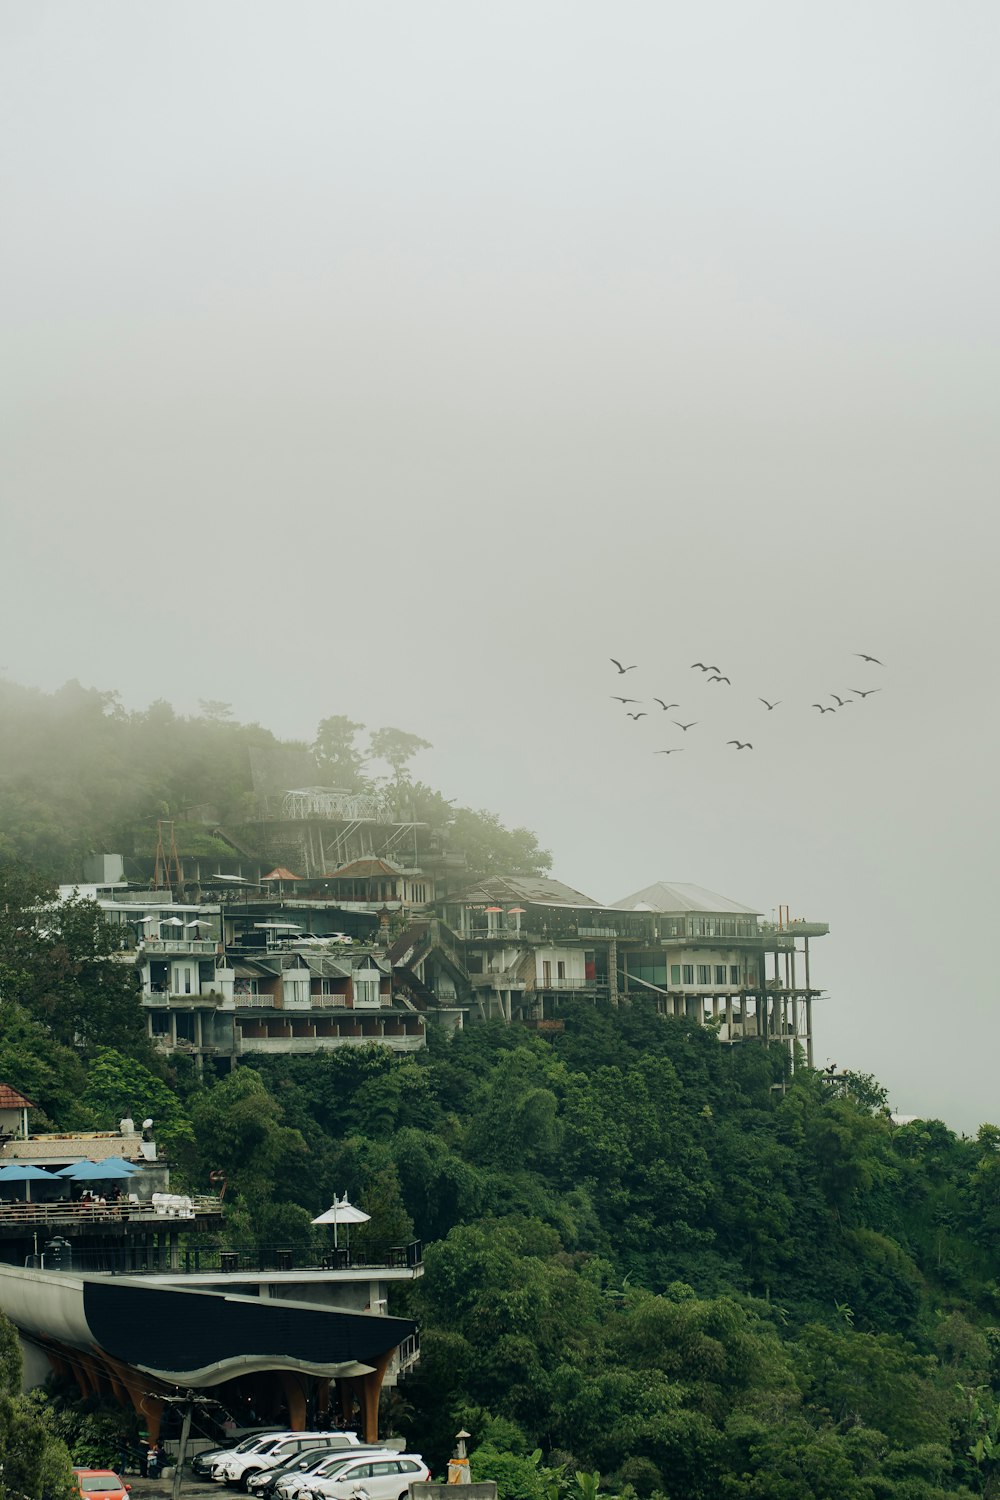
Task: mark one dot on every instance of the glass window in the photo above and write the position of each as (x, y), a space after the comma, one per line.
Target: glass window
(704, 973)
(734, 973)
(675, 973)
(387, 1468)
(720, 973)
(689, 973)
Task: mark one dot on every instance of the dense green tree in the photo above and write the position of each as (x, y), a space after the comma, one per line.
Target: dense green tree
(396, 747)
(336, 751)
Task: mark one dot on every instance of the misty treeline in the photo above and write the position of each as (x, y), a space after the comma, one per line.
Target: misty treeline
(79, 774)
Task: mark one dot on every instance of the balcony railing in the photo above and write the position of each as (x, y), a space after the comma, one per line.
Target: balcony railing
(64, 1212)
(238, 1260)
(549, 982)
(180, 945)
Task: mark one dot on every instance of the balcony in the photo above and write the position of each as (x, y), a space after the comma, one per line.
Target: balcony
(205, 946)
(244, 1260)
(66, 1214)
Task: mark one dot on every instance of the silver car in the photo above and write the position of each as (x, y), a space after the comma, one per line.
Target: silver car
(289, 1486)
(376, 1476)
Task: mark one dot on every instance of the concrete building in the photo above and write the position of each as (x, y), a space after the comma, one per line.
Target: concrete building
(135, 1296)
(525, 948)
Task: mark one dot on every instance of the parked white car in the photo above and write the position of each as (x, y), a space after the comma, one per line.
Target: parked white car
(236, 1468)
(379, 1478)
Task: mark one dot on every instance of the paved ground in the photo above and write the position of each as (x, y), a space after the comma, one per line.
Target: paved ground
(162, 1489)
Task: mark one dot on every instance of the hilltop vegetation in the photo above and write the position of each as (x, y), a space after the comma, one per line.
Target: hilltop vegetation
(79, 773)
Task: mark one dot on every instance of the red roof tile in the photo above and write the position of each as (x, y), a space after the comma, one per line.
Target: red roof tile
(11, 1099)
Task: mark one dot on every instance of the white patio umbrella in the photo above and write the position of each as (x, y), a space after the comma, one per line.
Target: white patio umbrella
(342, 1212)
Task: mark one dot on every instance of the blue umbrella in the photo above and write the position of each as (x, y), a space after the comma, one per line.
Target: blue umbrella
(121, 1163)
(92, 1171)
(16, 1171)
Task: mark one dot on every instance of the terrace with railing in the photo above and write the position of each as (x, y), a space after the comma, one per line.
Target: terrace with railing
(236, 1260)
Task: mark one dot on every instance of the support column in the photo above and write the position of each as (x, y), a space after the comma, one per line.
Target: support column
(295, 1399)
(370, 1390)
(795, 1013)
(729, 1016)
(809, 1006)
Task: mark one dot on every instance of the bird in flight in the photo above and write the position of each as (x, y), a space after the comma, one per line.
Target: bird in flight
(824, 710)
(841, 702)
(769, 705)
(740, 744)
(665, 706)
(616, 699)
(863, 694)
(720, 679)
(685, 727)
(869, 658)
(675, 751)
(637, 716)
(622, 669)
(703, 667)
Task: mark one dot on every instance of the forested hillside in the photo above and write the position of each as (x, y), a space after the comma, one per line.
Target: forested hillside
(649, 1254)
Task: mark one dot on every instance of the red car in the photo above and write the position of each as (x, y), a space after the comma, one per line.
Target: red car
(101, 1484)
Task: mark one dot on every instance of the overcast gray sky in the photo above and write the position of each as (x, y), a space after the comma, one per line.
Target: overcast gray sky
(408, 360)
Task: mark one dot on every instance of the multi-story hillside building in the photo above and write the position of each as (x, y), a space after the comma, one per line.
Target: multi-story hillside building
(525, 948)
(296, 966)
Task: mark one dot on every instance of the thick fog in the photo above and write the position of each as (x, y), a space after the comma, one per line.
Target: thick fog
(409, 361)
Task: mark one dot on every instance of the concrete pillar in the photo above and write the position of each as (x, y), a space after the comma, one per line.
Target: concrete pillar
(809, 1005)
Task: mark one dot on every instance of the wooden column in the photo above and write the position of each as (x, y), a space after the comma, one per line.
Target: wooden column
(295, 1399)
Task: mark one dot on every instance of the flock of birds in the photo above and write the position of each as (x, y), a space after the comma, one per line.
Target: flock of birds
(714, 674)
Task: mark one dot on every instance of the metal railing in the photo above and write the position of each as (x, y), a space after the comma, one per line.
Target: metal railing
(238, 1260)
(64, 1212)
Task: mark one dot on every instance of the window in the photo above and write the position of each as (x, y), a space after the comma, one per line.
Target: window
(720, 973)
(390, 1467)
(546, 971)
(689, 973)
(160, 1022)
(704, 973)
(734, 973)
(187, 981)
(675, 973)
(560, 969)
(185, 1026)
(407, 1466)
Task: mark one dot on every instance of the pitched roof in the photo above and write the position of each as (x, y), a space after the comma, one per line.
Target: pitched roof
(11, 1099)
(363, 869)
(280, 873)
(538, 889)
(663, 897)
